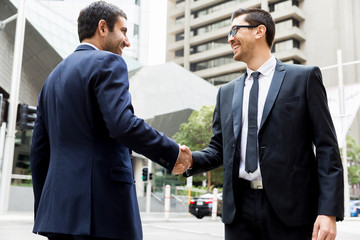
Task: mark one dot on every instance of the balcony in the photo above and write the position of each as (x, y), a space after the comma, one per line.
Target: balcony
(218, 15)
(210, 54)
(199, 39)
(293, 11)
(173, 46)
(176, 12)
(294, 32)
(175, 29)
(291, 54)
(205, 37)
(220, 70)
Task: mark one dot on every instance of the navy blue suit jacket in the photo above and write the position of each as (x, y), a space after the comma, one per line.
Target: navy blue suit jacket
(300, 181)
(80, 155)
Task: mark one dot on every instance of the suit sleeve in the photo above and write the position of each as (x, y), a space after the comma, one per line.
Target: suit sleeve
(212, 156)
(111, 88)
(39, 158)
(330, 170)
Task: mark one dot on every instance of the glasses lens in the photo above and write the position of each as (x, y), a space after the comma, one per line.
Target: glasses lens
(233, 31)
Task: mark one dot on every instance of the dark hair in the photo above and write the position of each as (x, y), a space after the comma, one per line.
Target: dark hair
(257, 16)
(90, 17)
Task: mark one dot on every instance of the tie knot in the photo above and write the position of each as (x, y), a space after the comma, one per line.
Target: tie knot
(255, 75)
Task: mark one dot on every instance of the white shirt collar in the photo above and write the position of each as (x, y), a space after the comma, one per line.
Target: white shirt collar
(266, 69)
(92, 45)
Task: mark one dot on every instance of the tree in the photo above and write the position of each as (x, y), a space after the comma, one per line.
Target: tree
(353, 154)
(196, 134)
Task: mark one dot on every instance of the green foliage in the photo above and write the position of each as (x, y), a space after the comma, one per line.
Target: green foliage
(354, 174)
(196, 134)
(353, 154)
(353, 149)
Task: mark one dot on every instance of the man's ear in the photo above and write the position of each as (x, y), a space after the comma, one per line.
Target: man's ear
(102, 27)
(261, 32)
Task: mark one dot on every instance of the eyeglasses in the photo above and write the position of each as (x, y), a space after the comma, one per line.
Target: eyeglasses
(236, 28)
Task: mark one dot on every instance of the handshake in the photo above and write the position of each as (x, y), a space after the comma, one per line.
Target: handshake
(184, 161)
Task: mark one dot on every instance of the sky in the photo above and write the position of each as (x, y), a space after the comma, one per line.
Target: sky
(157, 32)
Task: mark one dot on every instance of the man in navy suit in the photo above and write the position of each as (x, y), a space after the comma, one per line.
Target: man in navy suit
(84, 132)
(283, 176)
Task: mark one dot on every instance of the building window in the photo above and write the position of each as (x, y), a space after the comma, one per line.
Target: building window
(136, 31)
(21, 164)
(224, 78)
(179, 53)
(211, 63)
(209, 45)
(210, 27)
(180, 20)
(137, 2)
(281, 5)
(286, 45)
(286, 24)
(180, 3)
(217, 7)
(179, 37)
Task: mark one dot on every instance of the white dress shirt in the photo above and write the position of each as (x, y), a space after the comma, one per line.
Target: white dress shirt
(265, 77)
(92, 45)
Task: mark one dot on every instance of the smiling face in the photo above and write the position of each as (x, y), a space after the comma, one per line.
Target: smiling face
(243, 43)
(117, 40)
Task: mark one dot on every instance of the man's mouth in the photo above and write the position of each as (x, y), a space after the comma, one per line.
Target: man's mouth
(235, 47)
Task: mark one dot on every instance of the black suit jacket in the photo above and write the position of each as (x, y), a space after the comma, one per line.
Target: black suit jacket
(80, 155)
(299, 155)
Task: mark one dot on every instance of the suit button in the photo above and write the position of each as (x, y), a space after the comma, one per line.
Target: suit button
(233, 145)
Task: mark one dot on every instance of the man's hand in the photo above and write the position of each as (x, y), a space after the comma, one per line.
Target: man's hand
(184, 161)
(324, 228)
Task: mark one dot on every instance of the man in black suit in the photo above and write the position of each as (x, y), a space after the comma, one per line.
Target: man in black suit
(80, 155)
(273, 134)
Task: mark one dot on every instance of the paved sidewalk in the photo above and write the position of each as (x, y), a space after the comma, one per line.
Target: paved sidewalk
(18, 226)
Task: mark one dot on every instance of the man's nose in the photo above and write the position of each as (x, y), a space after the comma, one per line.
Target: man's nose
(126, 42)
(230, 39)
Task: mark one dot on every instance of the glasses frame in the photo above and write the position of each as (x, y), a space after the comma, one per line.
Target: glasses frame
(234, 30)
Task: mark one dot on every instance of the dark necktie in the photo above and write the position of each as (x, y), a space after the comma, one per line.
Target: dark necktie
(251, 146)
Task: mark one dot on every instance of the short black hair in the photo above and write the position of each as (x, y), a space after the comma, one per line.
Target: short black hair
(257, 16)
(90, 17)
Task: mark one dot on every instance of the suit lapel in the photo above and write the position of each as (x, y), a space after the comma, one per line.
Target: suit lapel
(273, 91)
(237, 104)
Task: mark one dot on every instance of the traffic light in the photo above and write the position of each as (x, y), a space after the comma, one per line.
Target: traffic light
(26, 117)
(145, 174)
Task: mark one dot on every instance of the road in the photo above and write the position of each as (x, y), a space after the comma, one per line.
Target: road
(17, 226)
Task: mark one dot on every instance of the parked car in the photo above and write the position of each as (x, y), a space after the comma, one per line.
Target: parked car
(202, 206)
(354, 208)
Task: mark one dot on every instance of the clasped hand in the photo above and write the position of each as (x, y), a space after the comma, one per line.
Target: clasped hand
(184, 161)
